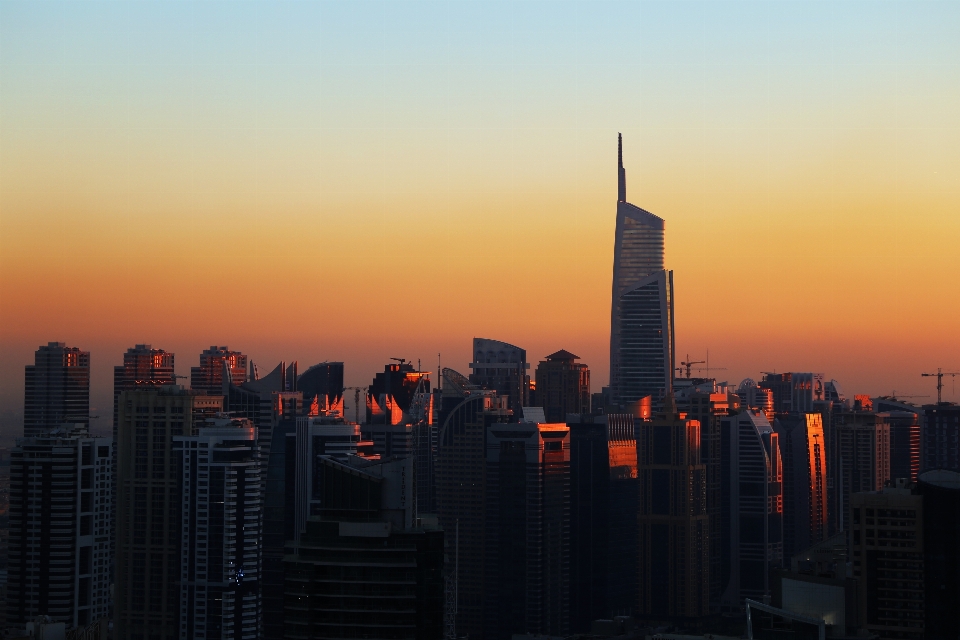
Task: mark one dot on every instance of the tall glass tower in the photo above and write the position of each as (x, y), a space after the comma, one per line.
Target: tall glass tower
(641, 318)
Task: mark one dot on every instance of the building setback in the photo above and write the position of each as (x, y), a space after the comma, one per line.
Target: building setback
(673, 520)
(60, 522)
(563, 386)
(220, 564)
(56, 389)
(526, 576)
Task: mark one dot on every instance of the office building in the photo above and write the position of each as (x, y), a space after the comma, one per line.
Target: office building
(217, 364)
(467, 411)
(886, 541)
(673, 520)
(795, 392)
(752, 509)
(803, 453)
(940, 437)
(708, 403)
(220, 519)
(501, 367)
(638, 256)
(563, 386)
(527, 543)
(645, 339)
(60, 521)
(603, 526)
(862, 445)
(322, 387)
(367, 566)
(940, 489)
(149, 510)
(56, 389)
(753, 396)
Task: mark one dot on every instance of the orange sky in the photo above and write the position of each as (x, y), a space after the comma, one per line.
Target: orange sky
(309, 187)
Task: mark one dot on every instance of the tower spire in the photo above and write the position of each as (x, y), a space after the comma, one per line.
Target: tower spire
(622, 186)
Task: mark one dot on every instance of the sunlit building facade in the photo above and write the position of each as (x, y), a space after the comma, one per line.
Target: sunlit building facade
(638, 254)
(217, 363)
(803, 453)
(322, 387)
(56, 389)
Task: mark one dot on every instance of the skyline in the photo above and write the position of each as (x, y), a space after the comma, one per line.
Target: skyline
(248, 178)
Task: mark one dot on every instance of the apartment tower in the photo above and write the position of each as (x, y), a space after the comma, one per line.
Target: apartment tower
(56, 389)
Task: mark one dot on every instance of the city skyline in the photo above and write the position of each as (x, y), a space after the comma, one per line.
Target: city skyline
(803, 154)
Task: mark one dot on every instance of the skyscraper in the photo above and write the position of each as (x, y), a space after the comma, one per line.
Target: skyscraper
(863, 457)
(143, 366)
(673, 520)
(322, 384)
(803, 453)
(940, 489)
(214, 362)
(501, 367)
(940, 437)
(563, 386)
(527, 543)
(643, 363)
(56, 389)
(60, 524)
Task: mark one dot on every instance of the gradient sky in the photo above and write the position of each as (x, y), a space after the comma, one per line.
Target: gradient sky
(360, 180)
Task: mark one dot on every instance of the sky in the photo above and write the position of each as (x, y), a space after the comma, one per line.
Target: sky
(363, 180)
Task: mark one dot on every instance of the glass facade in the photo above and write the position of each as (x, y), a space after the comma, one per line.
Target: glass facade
(646, 342)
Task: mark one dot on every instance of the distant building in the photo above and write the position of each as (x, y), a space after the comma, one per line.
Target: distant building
(753, 396)
(940, 437)
(752, 507)
(673, 520)
(148, 526)
(886, 539)
(941, 553)
(501, 367)
(863, 456)
(60, 522)
(143, 366)
(646, 358)
(56, 389)
(366, 566)
(563, 386)
(214, 363)
(803, 452)
(220, 524)
(795, 392)
(322, 386)
(527, 539)
(467, 411)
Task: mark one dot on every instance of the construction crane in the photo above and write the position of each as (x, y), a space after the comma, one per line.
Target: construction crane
(689, 364)
(356, 402)
(939, 376)
(894, 396)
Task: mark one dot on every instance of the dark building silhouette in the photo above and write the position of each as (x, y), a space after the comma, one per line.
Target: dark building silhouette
(501, 367)
(803, 452)
(467, 411)
(940, 437)
(367, 566)
(795, 392)
(60, 522)
(862, 446)
(563, 386)
(526, 579)
(149, 508)
(56, 389)
(322, 386)
(941, 553)
(279, 522)
(215, 362)
(143, 366)
(673, 520)
(646, 358)
(887, 545)
(904, 444)
(752, 508)
(603, 519)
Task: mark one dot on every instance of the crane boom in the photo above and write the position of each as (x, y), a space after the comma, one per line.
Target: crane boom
(939, 376)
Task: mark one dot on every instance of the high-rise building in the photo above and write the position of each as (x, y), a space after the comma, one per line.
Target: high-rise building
(603, 519)
(886, 540)
(940, 489)
(638, 258)
(56, 389)
(673, 520)
(940, 437)
(322, 387)
(143, 366)
(467, 411)
(214, 363)
(149, 511)
(645, 339)
(795, 392)
(60, 522)
(904, 443)
(753, 396)
(220, 565)
(526, 578)
(563, 386)
(501, 367)
(367, 565)
(862, 445)
(752, 510)
(803, 453)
